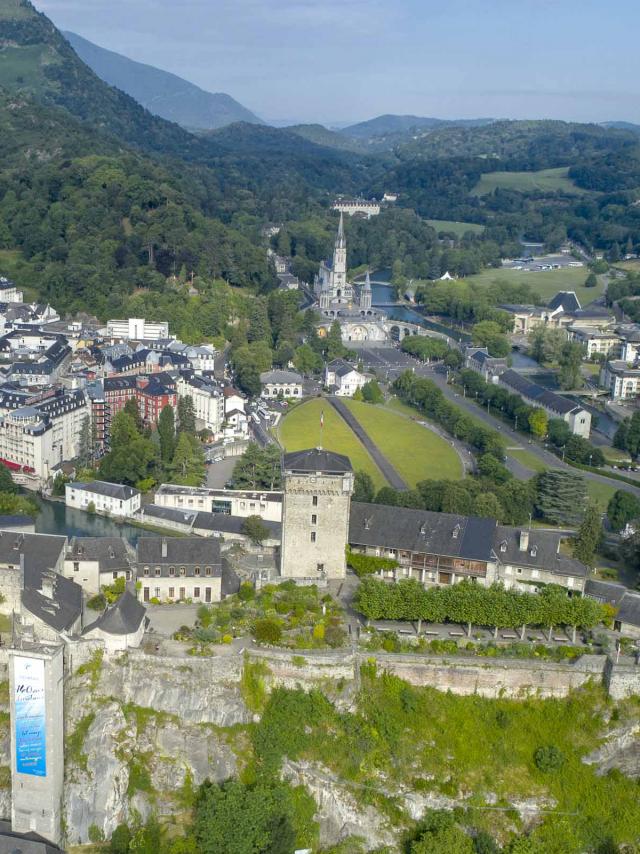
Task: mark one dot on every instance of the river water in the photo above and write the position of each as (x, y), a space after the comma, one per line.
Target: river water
(55, 518)
(383, 295)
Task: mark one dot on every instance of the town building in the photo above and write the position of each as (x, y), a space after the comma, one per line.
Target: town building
(561, 311)
(9, 292)
(621, 380)
(338, 301)
(93, 562)
(279, 383)
(556, 406)
(208, 401)
(479, 360)
(179, 569)
(151, 393)
(113, 499)
(625, 605)
(315, 515)
(530, 558)
(121, 626)
(357, 207)
(228, 502)
(342, 378)
(597, 342)
(137, 329)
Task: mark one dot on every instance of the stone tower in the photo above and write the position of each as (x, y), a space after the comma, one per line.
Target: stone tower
(37, 739)
(340, 262)
(315, 516)
(366, 296)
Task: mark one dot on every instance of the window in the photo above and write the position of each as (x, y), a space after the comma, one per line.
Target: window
(145, 594)
(207, 594)
(196, 571)
(115, 576)
(207, 570)
(183, 593)
(320, 567)
(314, 500)
(314, 519)
(313, 536)
(157, 570)
(76, 566)
(146, 570)
(172, 592)
(183, 570)
(519, 570)
(157, 592)
(196, 592)
(172, 570)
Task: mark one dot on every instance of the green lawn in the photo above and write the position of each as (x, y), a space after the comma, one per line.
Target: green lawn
(545, 283)
(458, 228)
(300, 429)
(526, 458)
(601, 493)
(415, 452)
(545, 180)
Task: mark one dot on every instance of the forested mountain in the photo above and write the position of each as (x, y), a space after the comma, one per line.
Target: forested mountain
(329, 138)
(162, 93)
(387, 125)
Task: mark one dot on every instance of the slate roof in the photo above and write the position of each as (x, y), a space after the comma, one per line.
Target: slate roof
(185, 551)
(232, 524)
(110, 552)
(170, 514)
(41, 551)
(543, 544)
(341, 367)
(24, 843)
(230, 581)
(62, 608)
(110, 490)
(567, 300)
(421, 531)
(605, 592)
(316, 460)
(629, 610)
(280, 377)
(538, 394)
(121, 618)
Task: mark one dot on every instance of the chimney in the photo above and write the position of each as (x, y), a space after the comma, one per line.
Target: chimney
(164, 547)
(524, 540)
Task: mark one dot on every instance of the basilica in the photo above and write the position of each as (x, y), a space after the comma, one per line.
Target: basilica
(349, 304)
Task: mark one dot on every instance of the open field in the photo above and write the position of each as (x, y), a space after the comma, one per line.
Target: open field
(526, 458)
(300, 429)
(458, 228)
(545, 181)
(601, 493)
(545, 283)
(631, 266)
(415, 452)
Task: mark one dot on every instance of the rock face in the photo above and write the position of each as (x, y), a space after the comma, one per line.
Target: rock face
(621, 750)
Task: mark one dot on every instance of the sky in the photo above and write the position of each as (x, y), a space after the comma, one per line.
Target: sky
(343, 61)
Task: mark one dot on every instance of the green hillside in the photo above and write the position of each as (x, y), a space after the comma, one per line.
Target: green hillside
(543, 181)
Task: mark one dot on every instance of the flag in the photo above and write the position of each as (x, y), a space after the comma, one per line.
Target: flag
(322, 418)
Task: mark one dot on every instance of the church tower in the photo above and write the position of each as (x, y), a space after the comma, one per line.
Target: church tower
(365, 294)
(340, 263)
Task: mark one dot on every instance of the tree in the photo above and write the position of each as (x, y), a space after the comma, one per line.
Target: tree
(167, 434)
(258, 468)
(335, 347)
(442, 835)
(363, 488)
(487, 505)
(259, 326)
(86, 442)
(6, 481)
(591, 281)
(589, 535)
(306, 360)
(186, 415)
(538, 422)
(132, 409)
(372, 393)
(561, 496)
(558, 432)
(187, 465)
(248, 379)
(548, 758)
(254, 528)
(622, 508)
(268, 631)
(123, 430)
(569, 375)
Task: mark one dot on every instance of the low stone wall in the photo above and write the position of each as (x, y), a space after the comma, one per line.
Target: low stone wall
(622, 680)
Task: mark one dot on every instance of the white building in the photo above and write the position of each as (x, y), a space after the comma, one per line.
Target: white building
(208, 402)
(93, 562)
(35, 439)
(620, 379)
(230, 502)
(343, 378)
(112, 498)
(202, 357)
(138, 329)
(177, 570)
(597, 342)
(556, 406)
(363, 207)
(281, 384)
(121, 626)
(9, 292)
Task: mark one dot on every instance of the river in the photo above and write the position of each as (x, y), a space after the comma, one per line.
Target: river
(383, 295)
(56, 518)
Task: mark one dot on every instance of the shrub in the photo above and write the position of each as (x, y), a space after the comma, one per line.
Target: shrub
(318, 631)
(96, 834)
(548, 758)
(267, 631)
(91, 508)
(246, 592)
(97, 603)
(120, 840)
(227, 638)
(334, 636)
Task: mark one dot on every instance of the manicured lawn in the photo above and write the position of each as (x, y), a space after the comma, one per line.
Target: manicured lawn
(458, 228)
(601, 493)
(615, 455)
(545, 180)
(546, 283)
(526, 458)
(300, 429)
(415, 452)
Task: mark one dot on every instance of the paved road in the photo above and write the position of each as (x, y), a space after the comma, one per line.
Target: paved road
(380, 460)
(512, 438)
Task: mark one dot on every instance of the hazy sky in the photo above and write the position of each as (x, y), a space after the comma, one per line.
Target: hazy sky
(348, 60)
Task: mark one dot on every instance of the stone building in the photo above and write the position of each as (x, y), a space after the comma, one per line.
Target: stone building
(317, 497)
(174, 570)
(93, 562)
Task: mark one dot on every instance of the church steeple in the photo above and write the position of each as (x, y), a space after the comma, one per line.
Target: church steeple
(340, 238)
(366, 295)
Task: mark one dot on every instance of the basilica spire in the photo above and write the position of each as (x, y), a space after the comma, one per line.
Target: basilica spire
(340, 239)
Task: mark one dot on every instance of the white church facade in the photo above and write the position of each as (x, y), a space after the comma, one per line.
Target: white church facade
(349, 304)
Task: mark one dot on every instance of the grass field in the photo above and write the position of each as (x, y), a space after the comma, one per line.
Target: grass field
(458, 228)
(601, 493)
(300, 429)
(545, 180)
(546, 283)
(631, 266)
(526, 458)
(415, 452)
(13, 266)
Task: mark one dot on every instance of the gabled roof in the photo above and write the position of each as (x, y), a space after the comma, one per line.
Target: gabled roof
(424, 531)
(121, 618)
(110, 552)
(566, 300)
(541, 552)
(316, 460)
(180, 550)
(280, 377)
(61, 608)
(535, 392)
(102, 487)
(629, 610)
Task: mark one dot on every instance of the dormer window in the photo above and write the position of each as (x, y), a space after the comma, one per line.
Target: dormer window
(534, 551)
(456, 532)
(503, 546)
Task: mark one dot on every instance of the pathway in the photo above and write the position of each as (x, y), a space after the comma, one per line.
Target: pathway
(391, 475)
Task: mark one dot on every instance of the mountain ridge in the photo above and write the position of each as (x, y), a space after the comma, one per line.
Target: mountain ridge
(161, 92)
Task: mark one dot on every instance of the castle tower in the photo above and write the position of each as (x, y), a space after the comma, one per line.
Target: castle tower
(366, 296)
(315, 515)
(37, 740)
(340, 262)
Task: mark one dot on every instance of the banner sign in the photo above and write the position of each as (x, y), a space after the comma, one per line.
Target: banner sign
(30, 716)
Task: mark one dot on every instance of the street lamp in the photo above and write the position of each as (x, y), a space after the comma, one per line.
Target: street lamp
(516, 422)
(563, 448)
(590, 458)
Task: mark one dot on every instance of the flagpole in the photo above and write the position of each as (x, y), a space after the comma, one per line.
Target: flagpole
(321, 426)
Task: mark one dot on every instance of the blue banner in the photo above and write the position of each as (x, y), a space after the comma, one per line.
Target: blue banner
(30, 716)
